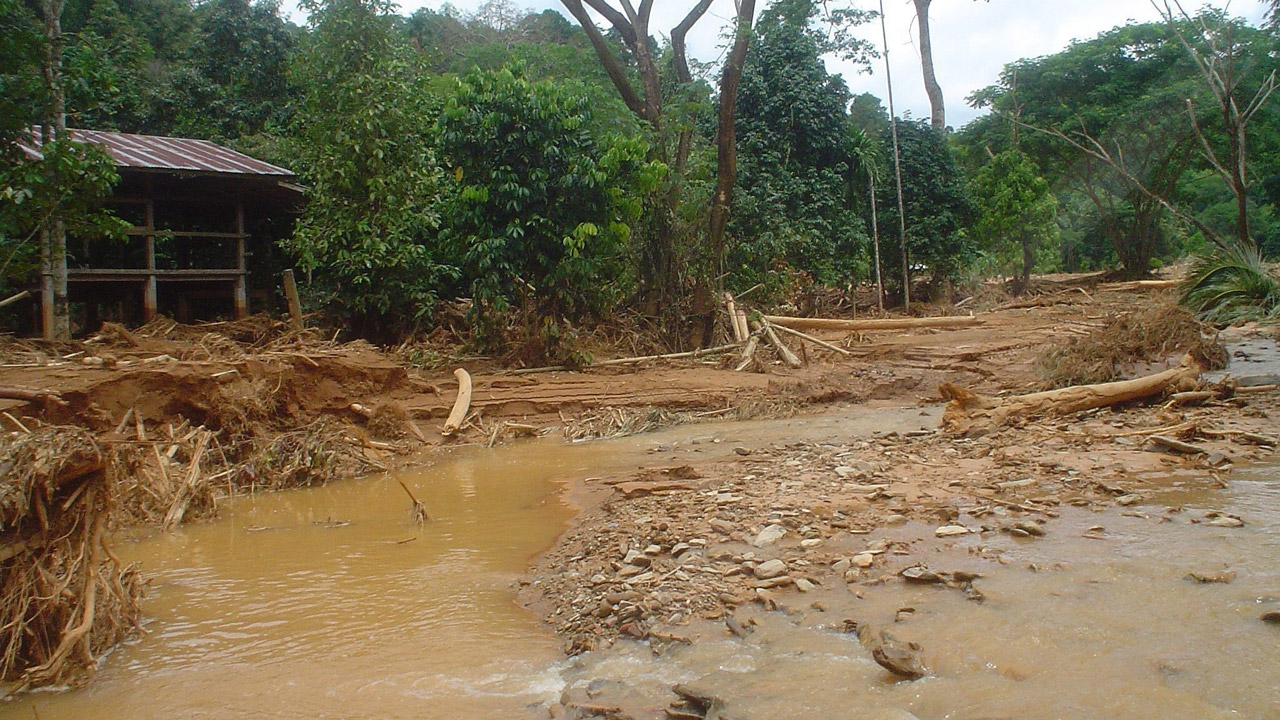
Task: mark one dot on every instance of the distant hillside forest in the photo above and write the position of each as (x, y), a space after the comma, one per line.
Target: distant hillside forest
(560, 176)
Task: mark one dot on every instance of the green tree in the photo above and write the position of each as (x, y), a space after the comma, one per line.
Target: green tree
(1015, 210)
(793, 206)
(1126, 90)
(363, 140)
(541, 210)
(238, 82)
(937, 205)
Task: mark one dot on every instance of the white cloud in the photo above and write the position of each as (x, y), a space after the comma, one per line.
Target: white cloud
(972, 39)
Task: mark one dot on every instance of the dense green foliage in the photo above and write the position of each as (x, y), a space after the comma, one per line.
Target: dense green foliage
(541, 207)
(489, 156)
(938, 208)
(1126, 93)
(364, 143)
(793, 209)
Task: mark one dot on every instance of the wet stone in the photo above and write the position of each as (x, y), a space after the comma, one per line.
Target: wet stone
(770, 569)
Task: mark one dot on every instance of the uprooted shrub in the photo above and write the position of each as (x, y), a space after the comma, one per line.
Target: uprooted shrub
(1151, 334)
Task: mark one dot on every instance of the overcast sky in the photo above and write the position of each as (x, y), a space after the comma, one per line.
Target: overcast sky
(972, 39)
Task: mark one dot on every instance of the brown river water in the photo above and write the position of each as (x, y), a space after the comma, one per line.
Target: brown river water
(332, 603)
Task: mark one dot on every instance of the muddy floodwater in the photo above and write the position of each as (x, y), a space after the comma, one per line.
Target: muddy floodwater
(333, 603)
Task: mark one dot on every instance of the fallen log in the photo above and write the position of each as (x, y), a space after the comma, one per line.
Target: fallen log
(967, 411)
(798, 323)
(16, 393)
(701, 352)
(460, 406)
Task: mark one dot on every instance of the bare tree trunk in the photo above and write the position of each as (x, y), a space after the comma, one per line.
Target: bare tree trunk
(53, 251)
(938, 113)
(726, 135)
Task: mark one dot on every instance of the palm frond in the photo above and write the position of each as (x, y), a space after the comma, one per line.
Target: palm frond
(1232, 284)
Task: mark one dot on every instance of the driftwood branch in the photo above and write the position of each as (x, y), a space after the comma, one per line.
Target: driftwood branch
(461, 405)
(968, 411)
(798, 323)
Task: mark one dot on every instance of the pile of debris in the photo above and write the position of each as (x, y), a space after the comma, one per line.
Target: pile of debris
(65, 598)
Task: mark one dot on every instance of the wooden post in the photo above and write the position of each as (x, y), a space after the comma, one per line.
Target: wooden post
(149, 295)
(242, 291)
(291, 295)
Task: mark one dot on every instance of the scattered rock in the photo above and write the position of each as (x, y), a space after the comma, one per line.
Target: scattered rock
(920, 574)
(810, 543)
(769, 536)
(1272, 617)
(637, 558)
(722, 527)
(951, 531)
(804, 585)
(694, 702)
(1030, 528)
(744, 451)
(895, 519)
(1130, 499)
(770, 569)
(737, 628)
(864, 559)
(901, 659)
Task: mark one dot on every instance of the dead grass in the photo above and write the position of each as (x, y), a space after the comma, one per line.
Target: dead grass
(1152, 334)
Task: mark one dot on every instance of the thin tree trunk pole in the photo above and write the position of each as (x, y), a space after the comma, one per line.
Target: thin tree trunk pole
(897, 166)
(875, 243)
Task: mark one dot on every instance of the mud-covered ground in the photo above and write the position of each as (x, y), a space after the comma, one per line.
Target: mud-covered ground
(740, 520)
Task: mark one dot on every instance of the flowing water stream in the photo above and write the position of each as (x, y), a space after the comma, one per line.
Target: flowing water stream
(332, 603)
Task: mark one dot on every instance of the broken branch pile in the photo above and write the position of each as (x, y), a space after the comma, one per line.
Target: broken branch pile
(64, 596)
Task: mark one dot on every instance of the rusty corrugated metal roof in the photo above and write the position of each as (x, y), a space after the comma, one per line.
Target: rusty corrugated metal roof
(153, 152)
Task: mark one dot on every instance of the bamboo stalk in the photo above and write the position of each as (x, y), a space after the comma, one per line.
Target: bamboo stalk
(812, 339)
(789, 357)
(799, 323)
